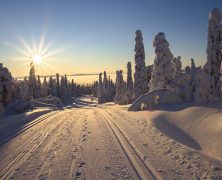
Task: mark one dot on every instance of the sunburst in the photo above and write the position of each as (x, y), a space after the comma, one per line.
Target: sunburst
(39, 54)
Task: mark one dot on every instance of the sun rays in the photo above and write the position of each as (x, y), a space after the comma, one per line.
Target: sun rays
(41, 54)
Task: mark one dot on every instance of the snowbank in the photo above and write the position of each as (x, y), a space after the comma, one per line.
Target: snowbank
(153, 98)
(199, 127)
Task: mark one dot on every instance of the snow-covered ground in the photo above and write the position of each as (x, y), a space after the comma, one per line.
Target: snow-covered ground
(107, 142)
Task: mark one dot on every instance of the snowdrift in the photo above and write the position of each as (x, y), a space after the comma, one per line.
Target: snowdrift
(153, 98)
(199, 127)
(52, 101)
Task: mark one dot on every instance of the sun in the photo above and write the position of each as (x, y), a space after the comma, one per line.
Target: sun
(37, 59)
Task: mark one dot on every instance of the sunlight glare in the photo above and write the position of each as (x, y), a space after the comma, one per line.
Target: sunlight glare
(37, 59)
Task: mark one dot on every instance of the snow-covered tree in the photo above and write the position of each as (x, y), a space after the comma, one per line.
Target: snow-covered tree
(149, 74)
(101, 95)
(122, 96)
(39, 85)
(140, 75)
(5, 87)
(45, 88)
(105, 84)
(214, 54)
(193, 66)
(129, 81)
(63, 89)
(163, 70)
(177, 65)
(52, 86)
(200, 83)
(120, 84)
(57, 85)
(33, 87)
(111, 90)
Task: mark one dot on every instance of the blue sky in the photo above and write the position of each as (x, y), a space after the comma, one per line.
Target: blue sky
(90, 36)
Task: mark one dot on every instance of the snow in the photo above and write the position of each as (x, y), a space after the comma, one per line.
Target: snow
(177, 137)
(177, 140)
(163, 70)
(154, 98)
(140, 75)
(202, 122)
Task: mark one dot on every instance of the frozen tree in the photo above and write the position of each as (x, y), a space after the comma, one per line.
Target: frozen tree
(193, 66)
(129, 81)
(177, 66)
(122, 96)
(25, 88)
(101, 95)
(105, 84)
(52, 86)
(44, 88)
(200, 85)
(33, 87)
(120, 84)
(95, 88)
(39, 85)
(63, 88)
(163, 70)
(149, 73)
(214, 54)
(5, 87)
(140, 75)
(72, 87)
(57, 85)
(111, 89)
(104, 89)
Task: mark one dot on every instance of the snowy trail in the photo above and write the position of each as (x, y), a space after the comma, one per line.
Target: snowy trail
(99, 142)
(142, 167)
(71, 144)
(170, 158)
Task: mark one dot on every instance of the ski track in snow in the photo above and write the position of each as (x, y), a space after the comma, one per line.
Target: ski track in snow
(172, 159)
(90, 143)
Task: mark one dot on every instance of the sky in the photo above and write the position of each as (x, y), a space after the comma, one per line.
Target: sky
(90, 36)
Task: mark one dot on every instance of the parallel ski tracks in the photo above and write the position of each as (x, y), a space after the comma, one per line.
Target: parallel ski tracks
(28, 126)
(139, 162)
(9, 169)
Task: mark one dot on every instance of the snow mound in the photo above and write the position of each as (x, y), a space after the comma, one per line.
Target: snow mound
(39, 104)
(198, 127)
(55, 101)
(153, 98)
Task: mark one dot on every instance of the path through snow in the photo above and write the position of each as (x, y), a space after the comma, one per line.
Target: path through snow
(99, 142)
